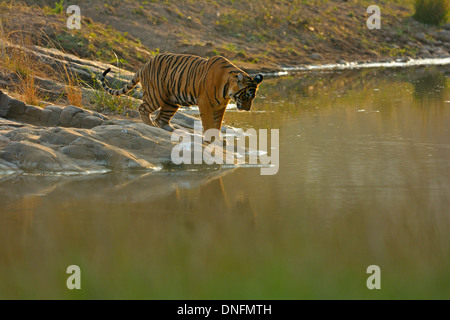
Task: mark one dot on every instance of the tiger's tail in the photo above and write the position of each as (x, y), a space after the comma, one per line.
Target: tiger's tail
(118, 92)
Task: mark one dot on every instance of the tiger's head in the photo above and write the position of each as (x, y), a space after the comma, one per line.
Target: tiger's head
(243, 90)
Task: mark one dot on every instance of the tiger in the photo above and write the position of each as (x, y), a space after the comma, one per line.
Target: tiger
(170, 81)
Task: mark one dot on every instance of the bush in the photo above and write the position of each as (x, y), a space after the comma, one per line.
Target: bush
(432, 11)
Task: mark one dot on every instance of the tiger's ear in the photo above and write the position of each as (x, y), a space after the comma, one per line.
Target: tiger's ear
(258, 78)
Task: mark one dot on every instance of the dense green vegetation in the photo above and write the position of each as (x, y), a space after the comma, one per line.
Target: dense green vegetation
(432, 11)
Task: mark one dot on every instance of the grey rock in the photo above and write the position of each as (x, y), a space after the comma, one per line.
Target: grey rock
(34, 112)
(77, 119)
(420, 36)
(16, 107)
(29, 156)
(434, 49)
(446, 26)
(440, 52)
(67, 114)
(53, 119)
(444, 35)
(4, 108)
(45, 116)
(315, 56)
(79, 152)
(424, 54)
(90, 122)
(57, 109)
(99, 115)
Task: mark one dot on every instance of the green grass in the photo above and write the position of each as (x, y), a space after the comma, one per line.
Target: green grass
(434, 12)
(103, 101)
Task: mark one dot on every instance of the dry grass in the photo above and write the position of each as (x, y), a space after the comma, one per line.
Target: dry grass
(23, 67)
(73, 92)
(74, 96)
(28, 91)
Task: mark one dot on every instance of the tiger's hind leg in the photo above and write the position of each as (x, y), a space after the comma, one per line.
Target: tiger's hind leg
(165, 114)
(144, 111)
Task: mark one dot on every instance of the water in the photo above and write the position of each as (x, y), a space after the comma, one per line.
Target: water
(364, 179)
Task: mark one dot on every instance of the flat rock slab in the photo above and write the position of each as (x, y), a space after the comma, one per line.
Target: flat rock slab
(71, 150)
(72, 140)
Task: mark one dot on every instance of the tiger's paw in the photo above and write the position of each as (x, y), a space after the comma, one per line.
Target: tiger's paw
(165, 126)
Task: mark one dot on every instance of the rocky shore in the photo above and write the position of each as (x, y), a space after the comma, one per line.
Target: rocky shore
(69, 139)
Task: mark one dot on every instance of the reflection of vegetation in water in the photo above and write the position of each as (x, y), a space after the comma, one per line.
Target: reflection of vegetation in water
(430, 85)
(302, 87)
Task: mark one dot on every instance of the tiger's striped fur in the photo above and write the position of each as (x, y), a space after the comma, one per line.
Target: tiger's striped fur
(172, 80)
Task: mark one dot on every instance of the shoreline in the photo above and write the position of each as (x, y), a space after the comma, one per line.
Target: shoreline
(405, 62)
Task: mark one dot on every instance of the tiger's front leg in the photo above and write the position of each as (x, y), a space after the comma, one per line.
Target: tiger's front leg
(206, 114)
(219, 113)
(212, 119)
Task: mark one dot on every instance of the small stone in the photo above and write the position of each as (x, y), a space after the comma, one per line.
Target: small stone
(435, 49)
(424, 53)
(440, 52)
(316, 56)
(403, 59)
(420, 36)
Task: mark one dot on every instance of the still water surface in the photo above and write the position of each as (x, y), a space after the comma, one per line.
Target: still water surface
(364, 179)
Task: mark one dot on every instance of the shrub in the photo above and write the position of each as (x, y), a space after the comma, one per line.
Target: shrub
(432, 11)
